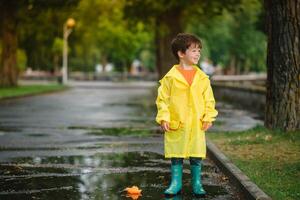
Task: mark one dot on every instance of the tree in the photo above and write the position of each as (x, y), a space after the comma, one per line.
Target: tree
(103, 35)
(164, 19)
(8, 64)
(57, 50)
(233, 38)
(12, 14)
(38, 36)
(167, 18)
(283, 60)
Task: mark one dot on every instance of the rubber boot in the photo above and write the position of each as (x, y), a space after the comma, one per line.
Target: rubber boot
(196, 180)
(176, 181)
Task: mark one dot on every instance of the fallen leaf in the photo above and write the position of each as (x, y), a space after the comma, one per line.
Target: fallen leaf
(133, 190)
(133, 196)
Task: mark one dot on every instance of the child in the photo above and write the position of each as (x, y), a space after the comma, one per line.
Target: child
(186, 109)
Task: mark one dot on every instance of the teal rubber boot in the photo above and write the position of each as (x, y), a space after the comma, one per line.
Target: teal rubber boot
(176, 181)
(196, 181)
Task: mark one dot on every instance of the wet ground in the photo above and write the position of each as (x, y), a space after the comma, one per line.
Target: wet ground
(93, 141)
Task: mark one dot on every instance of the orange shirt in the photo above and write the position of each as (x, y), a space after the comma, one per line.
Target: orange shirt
(187, 74)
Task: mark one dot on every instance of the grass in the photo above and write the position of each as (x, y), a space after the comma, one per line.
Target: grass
(27, 90)
(268, 158)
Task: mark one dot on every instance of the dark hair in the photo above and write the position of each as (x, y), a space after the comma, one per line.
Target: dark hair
(183, 41)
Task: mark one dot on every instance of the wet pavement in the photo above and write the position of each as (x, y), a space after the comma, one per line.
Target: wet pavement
(93, 141)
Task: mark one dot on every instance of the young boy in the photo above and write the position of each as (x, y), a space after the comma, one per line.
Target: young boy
(186, 109)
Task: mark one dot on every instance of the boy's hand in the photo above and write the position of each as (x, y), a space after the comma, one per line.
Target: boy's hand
(206, 126)
(165, 126)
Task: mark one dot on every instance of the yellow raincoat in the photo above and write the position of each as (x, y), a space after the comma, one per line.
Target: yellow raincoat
(185, 107)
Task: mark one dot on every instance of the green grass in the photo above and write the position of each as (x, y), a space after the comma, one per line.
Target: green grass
(269, 158)
(28, 90)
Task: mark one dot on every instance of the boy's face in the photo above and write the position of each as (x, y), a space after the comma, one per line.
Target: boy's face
(191, 55)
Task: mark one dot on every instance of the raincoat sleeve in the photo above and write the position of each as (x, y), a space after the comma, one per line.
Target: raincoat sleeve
(210, 111)
(162, 101)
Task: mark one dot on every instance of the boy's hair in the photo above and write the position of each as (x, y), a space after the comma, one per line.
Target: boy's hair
(183, 41)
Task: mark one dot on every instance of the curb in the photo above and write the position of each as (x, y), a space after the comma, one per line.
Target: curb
(248, 189)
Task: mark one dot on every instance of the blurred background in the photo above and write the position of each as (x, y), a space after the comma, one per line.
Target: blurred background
(109, 38)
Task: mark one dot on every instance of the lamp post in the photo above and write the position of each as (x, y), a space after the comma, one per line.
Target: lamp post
(70, 23)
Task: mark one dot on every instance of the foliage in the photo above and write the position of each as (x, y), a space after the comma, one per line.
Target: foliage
(120, 31)
(147, 57)
(167, 18)
(21, 60)
(104, 36)
(38, 37)
(57, 46)
(234, 38)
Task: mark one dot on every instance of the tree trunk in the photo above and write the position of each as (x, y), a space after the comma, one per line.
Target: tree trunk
(167, 27)
(104, 62)
(8, 66)
(283, 93)
(232, 65)
(56, 65)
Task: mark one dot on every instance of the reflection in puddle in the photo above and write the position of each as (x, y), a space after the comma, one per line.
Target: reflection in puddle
(117, 131)
(101, 176)
(37, 135)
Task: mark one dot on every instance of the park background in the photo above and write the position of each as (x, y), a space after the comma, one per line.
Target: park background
(126, 40)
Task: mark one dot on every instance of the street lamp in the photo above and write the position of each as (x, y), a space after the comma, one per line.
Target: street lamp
(70, 23)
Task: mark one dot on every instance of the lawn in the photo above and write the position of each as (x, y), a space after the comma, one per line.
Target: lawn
(271, 159)
(28, 90)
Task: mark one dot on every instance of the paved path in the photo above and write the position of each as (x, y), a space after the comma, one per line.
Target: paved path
(48, 149)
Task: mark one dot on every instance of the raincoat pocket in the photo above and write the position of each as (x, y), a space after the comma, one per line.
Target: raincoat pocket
(176, 131)
(175, 125)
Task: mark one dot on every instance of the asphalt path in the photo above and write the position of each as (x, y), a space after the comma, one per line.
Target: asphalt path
(48, 149)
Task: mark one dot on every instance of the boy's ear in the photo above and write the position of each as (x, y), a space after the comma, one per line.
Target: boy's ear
(180, 54)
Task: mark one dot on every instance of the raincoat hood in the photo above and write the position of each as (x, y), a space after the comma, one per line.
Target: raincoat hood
(173, 72)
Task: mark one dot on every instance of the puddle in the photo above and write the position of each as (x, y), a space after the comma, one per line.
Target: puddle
(121, 131)
(131, 159)
(115, 131)
(99, 176)
(9, 129)
(37, 135)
